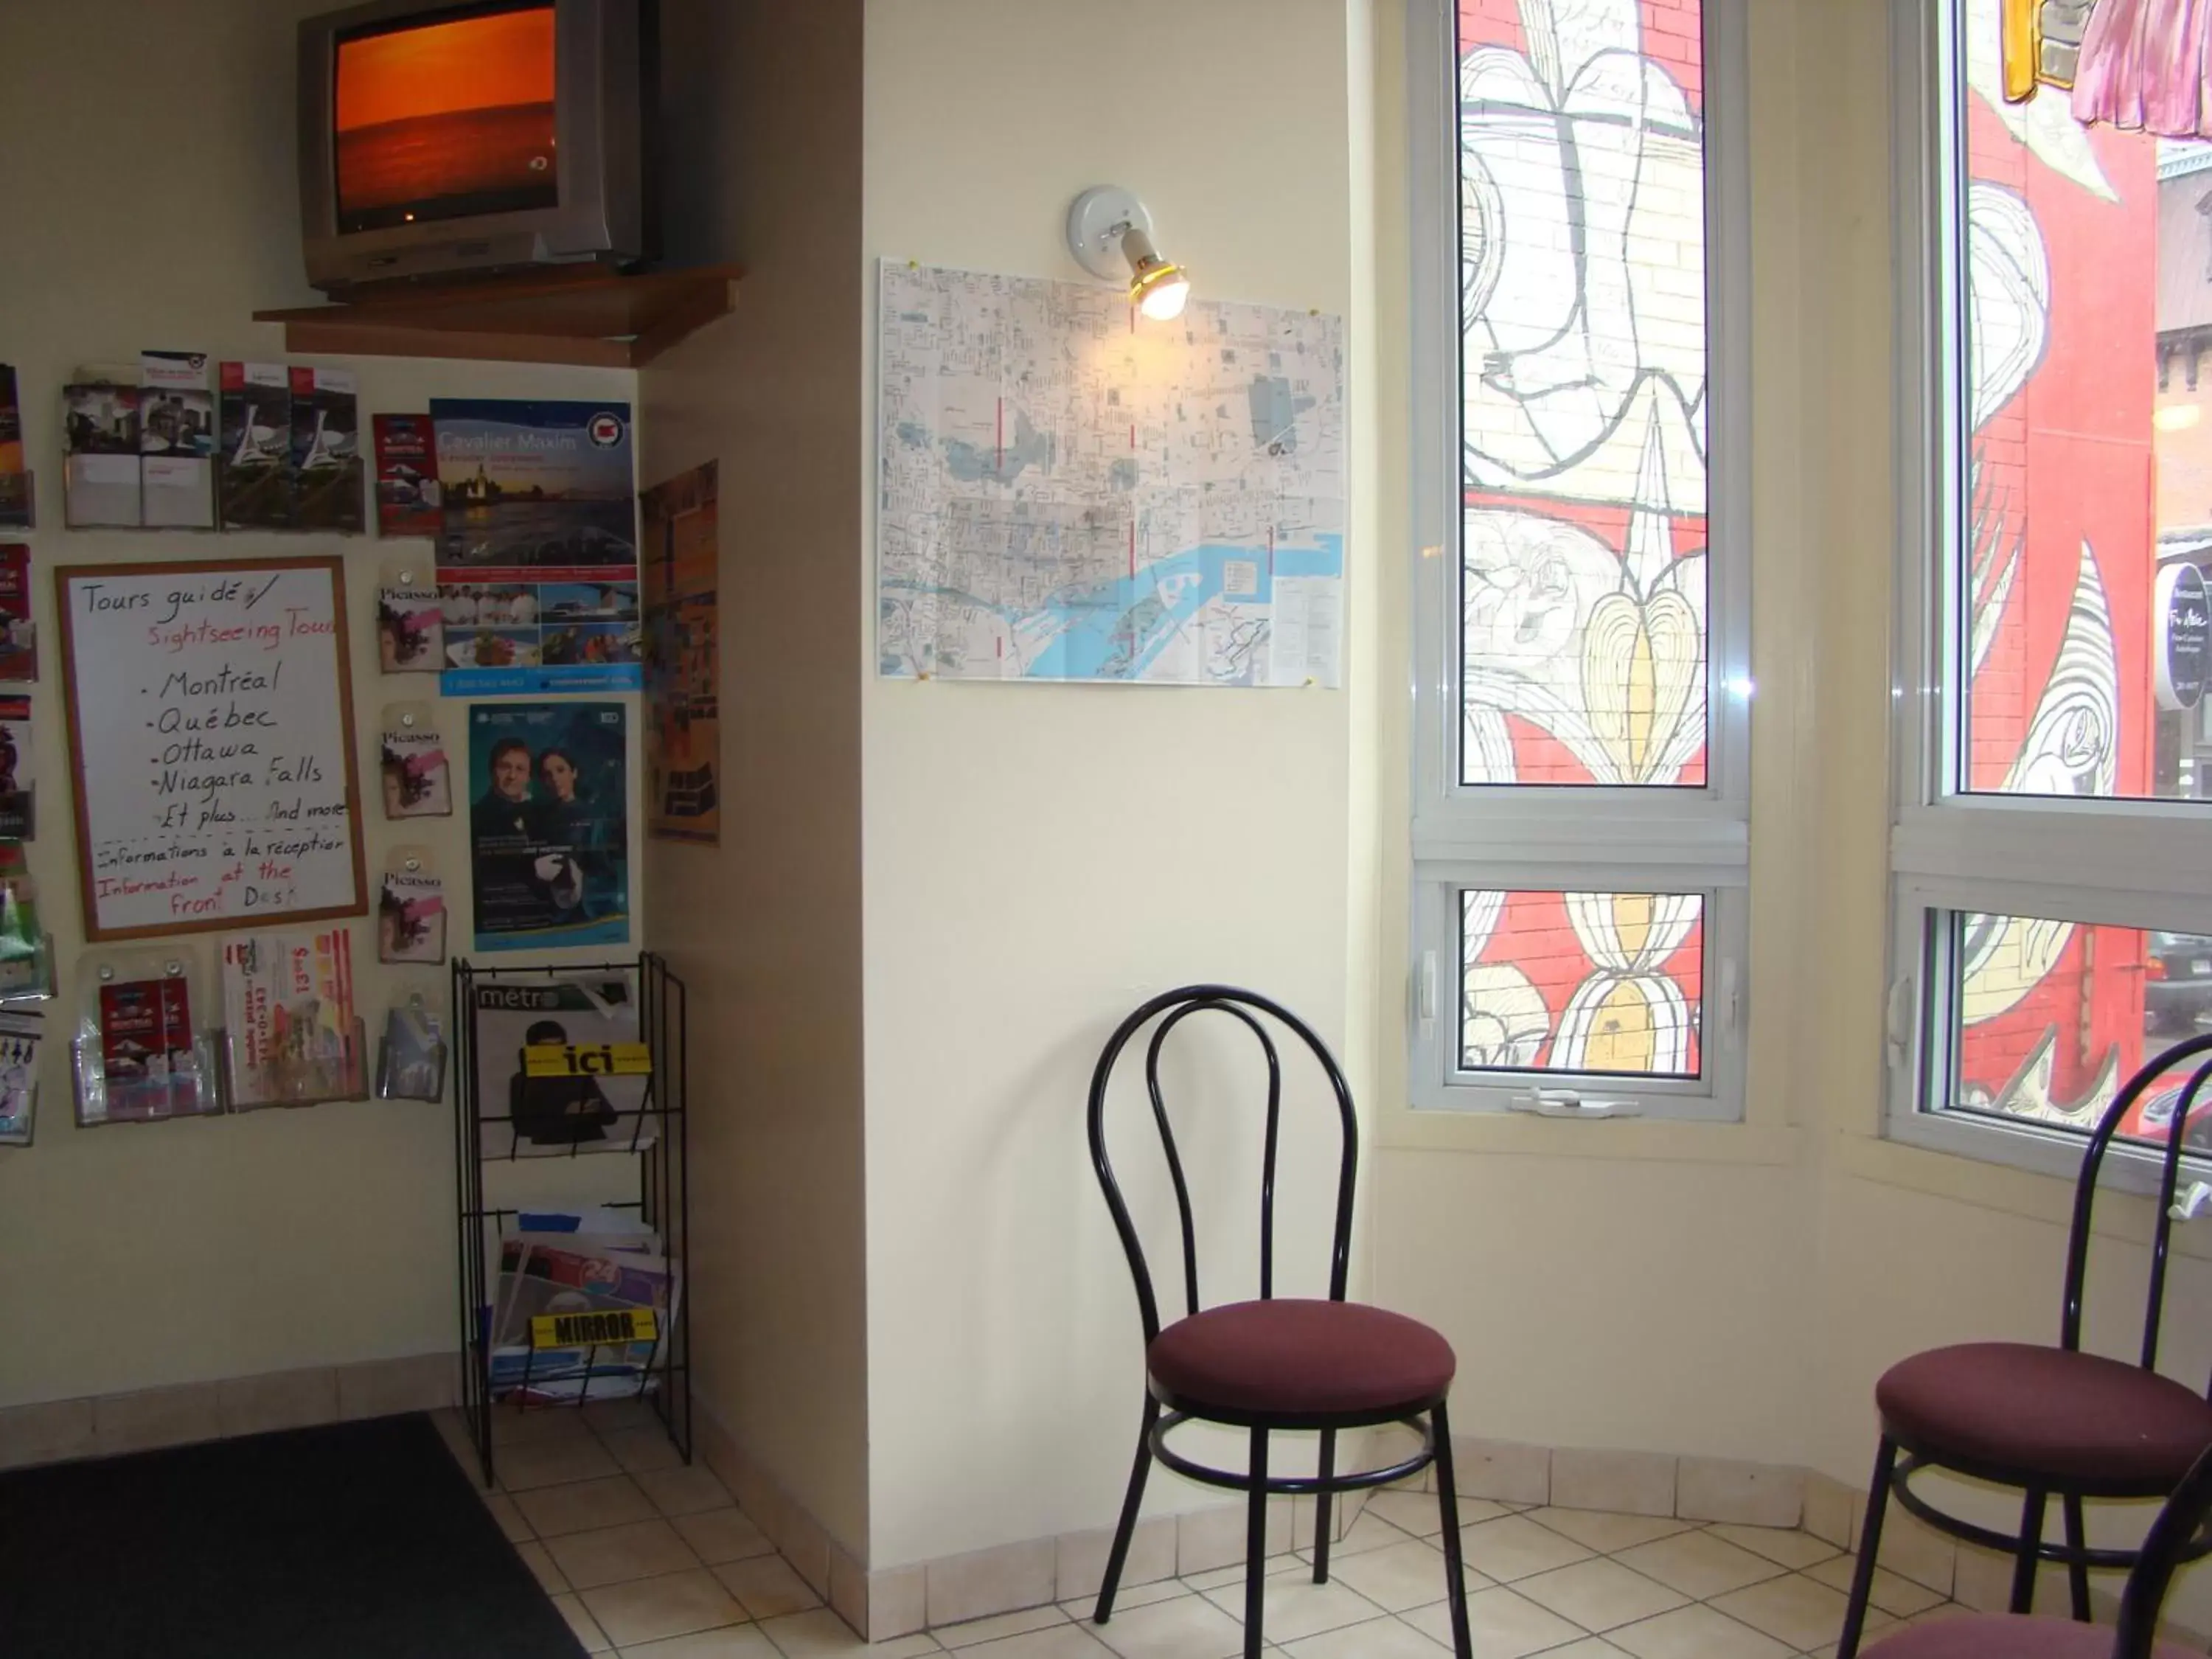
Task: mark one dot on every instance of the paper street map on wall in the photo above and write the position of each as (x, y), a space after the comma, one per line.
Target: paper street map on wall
(1071, 491)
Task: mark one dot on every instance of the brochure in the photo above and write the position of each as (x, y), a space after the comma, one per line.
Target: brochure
(417, 782)
(17, 821)
(15, 481)
(326, 449)
(19, 642)
(410, 630)
(20, 1034)
(289, 1012)
(406, 476)
(410, 1065)
(410, 918)
(101, 472)
(253, 473)
(143, 1045)
(176, 439)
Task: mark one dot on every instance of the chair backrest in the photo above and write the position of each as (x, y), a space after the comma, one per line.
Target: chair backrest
(2177, 1058)
(2178, 1526)
(1171, 1009)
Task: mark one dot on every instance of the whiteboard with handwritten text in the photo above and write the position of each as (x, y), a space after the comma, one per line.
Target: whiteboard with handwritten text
(210, 723)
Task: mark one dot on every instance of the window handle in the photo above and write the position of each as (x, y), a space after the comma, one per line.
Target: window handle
(1425, 993)
(1566, 1103)
(1731, 1009)
(1897, 1020)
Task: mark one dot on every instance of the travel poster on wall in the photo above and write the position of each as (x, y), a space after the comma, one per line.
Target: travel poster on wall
(521, 637)
(678, 579)
(535, 491)
(548, 834)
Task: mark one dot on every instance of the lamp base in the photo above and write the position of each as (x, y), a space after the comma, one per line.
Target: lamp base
(1096, 222)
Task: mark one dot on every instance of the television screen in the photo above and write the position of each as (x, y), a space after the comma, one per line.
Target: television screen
(446, 119)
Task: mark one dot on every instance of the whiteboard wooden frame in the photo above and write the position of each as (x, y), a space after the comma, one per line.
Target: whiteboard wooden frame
(93, 933)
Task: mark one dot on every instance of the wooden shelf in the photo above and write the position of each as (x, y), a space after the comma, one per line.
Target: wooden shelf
(596, 318)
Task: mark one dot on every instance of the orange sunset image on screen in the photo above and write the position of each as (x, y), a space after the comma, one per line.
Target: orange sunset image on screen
(447, 118)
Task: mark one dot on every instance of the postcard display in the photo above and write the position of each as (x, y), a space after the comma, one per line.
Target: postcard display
(560, 1307)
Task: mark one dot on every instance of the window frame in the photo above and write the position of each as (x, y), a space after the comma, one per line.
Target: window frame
(1951, 850)
(1601, 837)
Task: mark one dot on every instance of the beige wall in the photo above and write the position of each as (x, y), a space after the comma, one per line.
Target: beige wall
(150, 203)
(1039, 859)
(764, 110)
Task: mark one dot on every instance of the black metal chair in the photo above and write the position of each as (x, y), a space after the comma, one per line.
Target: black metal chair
(1277, 1364)
(2051, 1422)
(2175, 1537)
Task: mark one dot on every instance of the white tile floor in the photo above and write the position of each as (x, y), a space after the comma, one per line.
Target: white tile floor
(651, 1560)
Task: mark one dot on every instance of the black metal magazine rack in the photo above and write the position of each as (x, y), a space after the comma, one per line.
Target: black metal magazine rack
(646, 1128)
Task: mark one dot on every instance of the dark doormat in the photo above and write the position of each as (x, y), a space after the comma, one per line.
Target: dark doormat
(359, 1540)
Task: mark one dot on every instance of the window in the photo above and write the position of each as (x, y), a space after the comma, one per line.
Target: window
(2053, 843)
(1580, 832)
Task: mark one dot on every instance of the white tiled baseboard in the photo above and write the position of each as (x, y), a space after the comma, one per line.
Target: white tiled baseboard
(106, 1425)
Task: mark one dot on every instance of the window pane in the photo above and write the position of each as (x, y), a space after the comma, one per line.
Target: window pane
(2085, 507)
(2052, 1017)
(1583, 414)
(1606, 983)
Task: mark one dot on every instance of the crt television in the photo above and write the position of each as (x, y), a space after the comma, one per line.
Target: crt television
(438, 138)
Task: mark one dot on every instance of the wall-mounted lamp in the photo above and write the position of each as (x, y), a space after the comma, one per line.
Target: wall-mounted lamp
(1107, 227)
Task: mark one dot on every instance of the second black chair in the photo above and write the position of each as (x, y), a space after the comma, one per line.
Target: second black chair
(1279, 1364)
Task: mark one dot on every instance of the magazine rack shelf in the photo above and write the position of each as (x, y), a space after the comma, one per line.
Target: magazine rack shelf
(651, 1136)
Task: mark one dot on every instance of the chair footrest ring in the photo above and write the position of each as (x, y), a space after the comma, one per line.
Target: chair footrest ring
(1292, 1484)
(2007, 1544)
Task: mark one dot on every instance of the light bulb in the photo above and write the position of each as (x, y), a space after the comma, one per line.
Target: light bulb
(1157, 287)
(1161, 293)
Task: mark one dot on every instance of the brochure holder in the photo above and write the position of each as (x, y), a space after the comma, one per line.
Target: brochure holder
(141, 1054)
(303, 1079)
(642, 1128)
(410, 1057)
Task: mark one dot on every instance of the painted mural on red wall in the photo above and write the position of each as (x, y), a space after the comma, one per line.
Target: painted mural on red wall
(2062, 252)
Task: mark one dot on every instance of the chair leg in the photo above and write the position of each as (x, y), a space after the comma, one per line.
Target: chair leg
(1256, 1545)
(2031, 1542)
(1120, 1554)
(2077, 1569)
(1855, 1610)
(1320, 1506)
(1448, 1503)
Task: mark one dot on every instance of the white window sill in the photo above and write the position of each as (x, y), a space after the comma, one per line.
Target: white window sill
(1656, 1139)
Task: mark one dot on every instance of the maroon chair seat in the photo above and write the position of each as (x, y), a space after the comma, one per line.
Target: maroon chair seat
(2080, 1417)
(2005, 1635)
(1288, 1357)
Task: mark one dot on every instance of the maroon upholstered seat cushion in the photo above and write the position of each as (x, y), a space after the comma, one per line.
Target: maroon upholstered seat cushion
(2075, 1416)
(2001, 1636)
(1293, 1358)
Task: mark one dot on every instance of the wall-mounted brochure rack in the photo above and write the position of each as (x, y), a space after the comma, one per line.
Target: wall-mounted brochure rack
(561, 1306)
